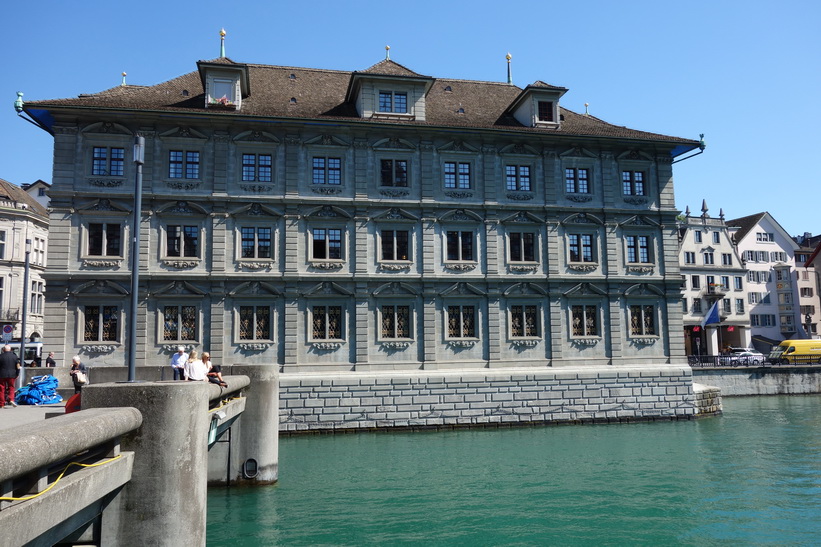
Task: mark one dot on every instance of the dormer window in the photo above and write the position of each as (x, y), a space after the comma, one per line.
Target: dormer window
(546, 111)
(390, 101)
(223, 92)
(538, 106)
(225, 83)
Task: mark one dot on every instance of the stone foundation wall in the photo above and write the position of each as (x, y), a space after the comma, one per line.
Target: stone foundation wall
(708, 400)
(790, 380)
(437, 399)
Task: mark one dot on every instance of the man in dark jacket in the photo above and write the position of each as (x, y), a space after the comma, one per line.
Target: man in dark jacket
(9, 369)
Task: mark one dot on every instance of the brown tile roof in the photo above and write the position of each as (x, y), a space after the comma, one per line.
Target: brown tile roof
(12, 192)
(745, 224)
(321, 94)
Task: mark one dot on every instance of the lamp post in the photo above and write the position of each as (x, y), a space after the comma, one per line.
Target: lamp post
(24, 312)
(139, 158)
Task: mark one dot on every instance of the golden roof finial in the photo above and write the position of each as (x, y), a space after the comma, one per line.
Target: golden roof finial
(222, 43)
(387, 53)
(222, 33)
(124, 75)
(508, 56)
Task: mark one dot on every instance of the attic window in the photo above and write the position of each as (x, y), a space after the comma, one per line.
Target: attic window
(546, 111)
(292, 77)
(222, 92)
(460, 110)
(185, 93)
(293, 100)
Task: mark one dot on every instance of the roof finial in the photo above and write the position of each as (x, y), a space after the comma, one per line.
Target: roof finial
(586, 111)
(704, 208)
(509, 74)
(687, 211)
(387, 53)
(124, 75)
(222, 43)
(721, 213)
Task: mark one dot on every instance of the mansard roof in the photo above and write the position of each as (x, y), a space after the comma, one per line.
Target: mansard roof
(11, 193)
(312, 93)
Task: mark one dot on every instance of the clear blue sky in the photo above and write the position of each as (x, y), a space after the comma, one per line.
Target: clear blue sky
(744, 73)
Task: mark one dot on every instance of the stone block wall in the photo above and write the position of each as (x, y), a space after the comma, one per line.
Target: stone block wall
(436, 399)
(708, 400)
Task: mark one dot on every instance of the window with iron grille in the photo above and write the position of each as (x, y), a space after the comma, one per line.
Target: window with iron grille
(327, 171)
(393, 173)
(183, 164)
(256, 167)
(179, 323)
(580, 247)
(643, 320)
(461, 321)
(577, 180)
(101, 323)
(395, 245)
(182, 241)
(326, 244)
(638, 249)
(396, 321)
(107, 161)
(632, 183)
(524, 321)
(256, 242)
(326, 323)
(457, 175)
(254, 323)
(459, 245)
(522, 246)
(584, 320)
(104, 239)
(517, 177)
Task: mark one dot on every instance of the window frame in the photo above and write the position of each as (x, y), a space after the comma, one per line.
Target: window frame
(189, 223)
(105, 224)
(535, 245)
(239, 241)
(256, 168)
(637, 249)
(326, 307)
(326, 180)
(162, 308)
(461, 231)
(471, 336)
(381, 304)
(634, 185)
(585, 307)
(82, 310)
(343, 236)
(380, 244)
(593, 247)
(238, 319)
(511, 317)
(519, 180)
(392, 106)
(185, 162)
(108, 161)
(457, 174)
(654, 315)
(392, 183)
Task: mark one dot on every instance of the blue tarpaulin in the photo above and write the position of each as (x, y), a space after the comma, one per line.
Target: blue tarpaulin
(42, 390)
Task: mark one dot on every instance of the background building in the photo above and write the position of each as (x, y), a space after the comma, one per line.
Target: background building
(809, 283)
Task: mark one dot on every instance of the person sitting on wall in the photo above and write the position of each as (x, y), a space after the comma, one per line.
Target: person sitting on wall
(214, 371)
(195, 369)
(178, 363)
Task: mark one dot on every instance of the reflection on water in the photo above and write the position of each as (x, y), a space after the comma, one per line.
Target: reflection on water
(751, 476)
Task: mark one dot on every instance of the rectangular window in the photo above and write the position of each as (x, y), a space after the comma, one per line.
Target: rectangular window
(327, 171)
(256, 167)
(806, 292)
(807, 310)
(696, 305)
(457, 175)
(725, 282)
(179, 323)
(726, 259)
(580, 247)
(183, 164)
(107, 161)
(396, 322)
(104, 239)
(461, 322)
(524, 321)
(545, 111)
(716, 237)
(709, 258)
(101, 324)
(584, 320)
(689, 257)
(459, 245)
(254, 323)
(638, 249)
(765, 237)
(37, 298)
(778, 257)
(256, 242)
(785, 298)
(695, 282)
(632, 183)
(182, 241)
(390, 101)
(39, 252)
(754, 297)
(327, 244)
(326, 323)
(739, 283)
(522, 246)
(711, 280)
(683, 305)
(2, 245)
(643, 320)
(786, 321)
(762, 256)
(394, 173)
(726, 305)
(395, 245)
(697, 236)
(577, 181)
(517, 177)
(805, 275)
(739, 305)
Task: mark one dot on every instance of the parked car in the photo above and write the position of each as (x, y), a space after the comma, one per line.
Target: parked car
(742, 357)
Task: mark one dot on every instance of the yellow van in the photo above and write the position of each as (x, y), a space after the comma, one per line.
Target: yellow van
(796, 352)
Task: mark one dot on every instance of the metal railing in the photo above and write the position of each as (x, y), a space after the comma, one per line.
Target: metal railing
(731, 361)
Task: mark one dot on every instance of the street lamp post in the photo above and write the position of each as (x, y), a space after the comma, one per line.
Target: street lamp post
(139, 159)
(24, 312)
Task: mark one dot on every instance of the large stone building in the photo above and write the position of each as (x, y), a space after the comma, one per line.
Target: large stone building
(371, 220)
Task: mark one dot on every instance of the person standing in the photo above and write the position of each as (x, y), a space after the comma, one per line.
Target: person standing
(178, 361)
(9, 369)
(50, 362)
(77, 366)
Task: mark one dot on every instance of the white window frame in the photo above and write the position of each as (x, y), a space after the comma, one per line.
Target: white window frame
(256, 225)
(343, 242)
(379, 241)
(182, 223)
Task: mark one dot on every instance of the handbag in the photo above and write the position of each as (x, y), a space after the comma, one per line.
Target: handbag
(81, 377)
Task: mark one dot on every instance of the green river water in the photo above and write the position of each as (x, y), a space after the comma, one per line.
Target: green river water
(749, 477)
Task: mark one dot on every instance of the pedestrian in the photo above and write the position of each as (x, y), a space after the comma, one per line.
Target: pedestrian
(9, 370)
(50, 362)
(78, 367)
(178, 361)
(195, 369)
(214, 371)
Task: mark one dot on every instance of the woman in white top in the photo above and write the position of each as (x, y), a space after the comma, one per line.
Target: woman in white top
(195, 369)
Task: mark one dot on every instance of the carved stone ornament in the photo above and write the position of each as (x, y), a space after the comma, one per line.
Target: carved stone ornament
(258, 346)
(106, 183)
(579, 198)
(101, 263)
(256, 188)
(99, 348)
(172, 348)
(326, 190)
(519, 196)
(326, 346)
(633, 200)
(523, 267)
(183, 185)
(395, 345)
(394, 267)
(326, 265)
(644, 341)
(585, 341)
(524, 343)
(255, 265)
(461, 343)
(326, 212)
(583, 267)
(640, 269)
(459, 195)
(180, 264)
(460, 267)
(394, 193)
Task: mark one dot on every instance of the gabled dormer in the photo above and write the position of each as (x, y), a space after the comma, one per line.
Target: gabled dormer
(388, 90)
(225, 83)
(538, 105)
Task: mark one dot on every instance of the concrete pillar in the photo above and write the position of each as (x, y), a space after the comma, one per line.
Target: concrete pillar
(712, 341)
(165, 501)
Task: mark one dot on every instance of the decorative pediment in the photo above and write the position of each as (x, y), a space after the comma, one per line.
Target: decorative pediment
(525, 289)
(394, 143)
(638, 155)
(578, 152)
(181, 208)
(582, 218)
(256, 210)
(395, 288)
(522, 217)
(327, 288)
(708, 249)
(395, 214)
(640, 220)
(256, 136)
(103, 206)
(183, 132)
(585, 289)
(108, 128)
(644, 289)
(328, 211)
(520, 149)
(100, 287)
(460, 215)
(327, 140)
(180, 288)
(254, 288)
(462, 289)
(458, 146)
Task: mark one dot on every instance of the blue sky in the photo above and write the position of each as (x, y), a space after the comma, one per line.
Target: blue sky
(746, 74)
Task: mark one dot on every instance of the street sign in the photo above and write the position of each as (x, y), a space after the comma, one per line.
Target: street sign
(8, 329)
(6, 337)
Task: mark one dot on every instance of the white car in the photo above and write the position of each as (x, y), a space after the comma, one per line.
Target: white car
(750, 358)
